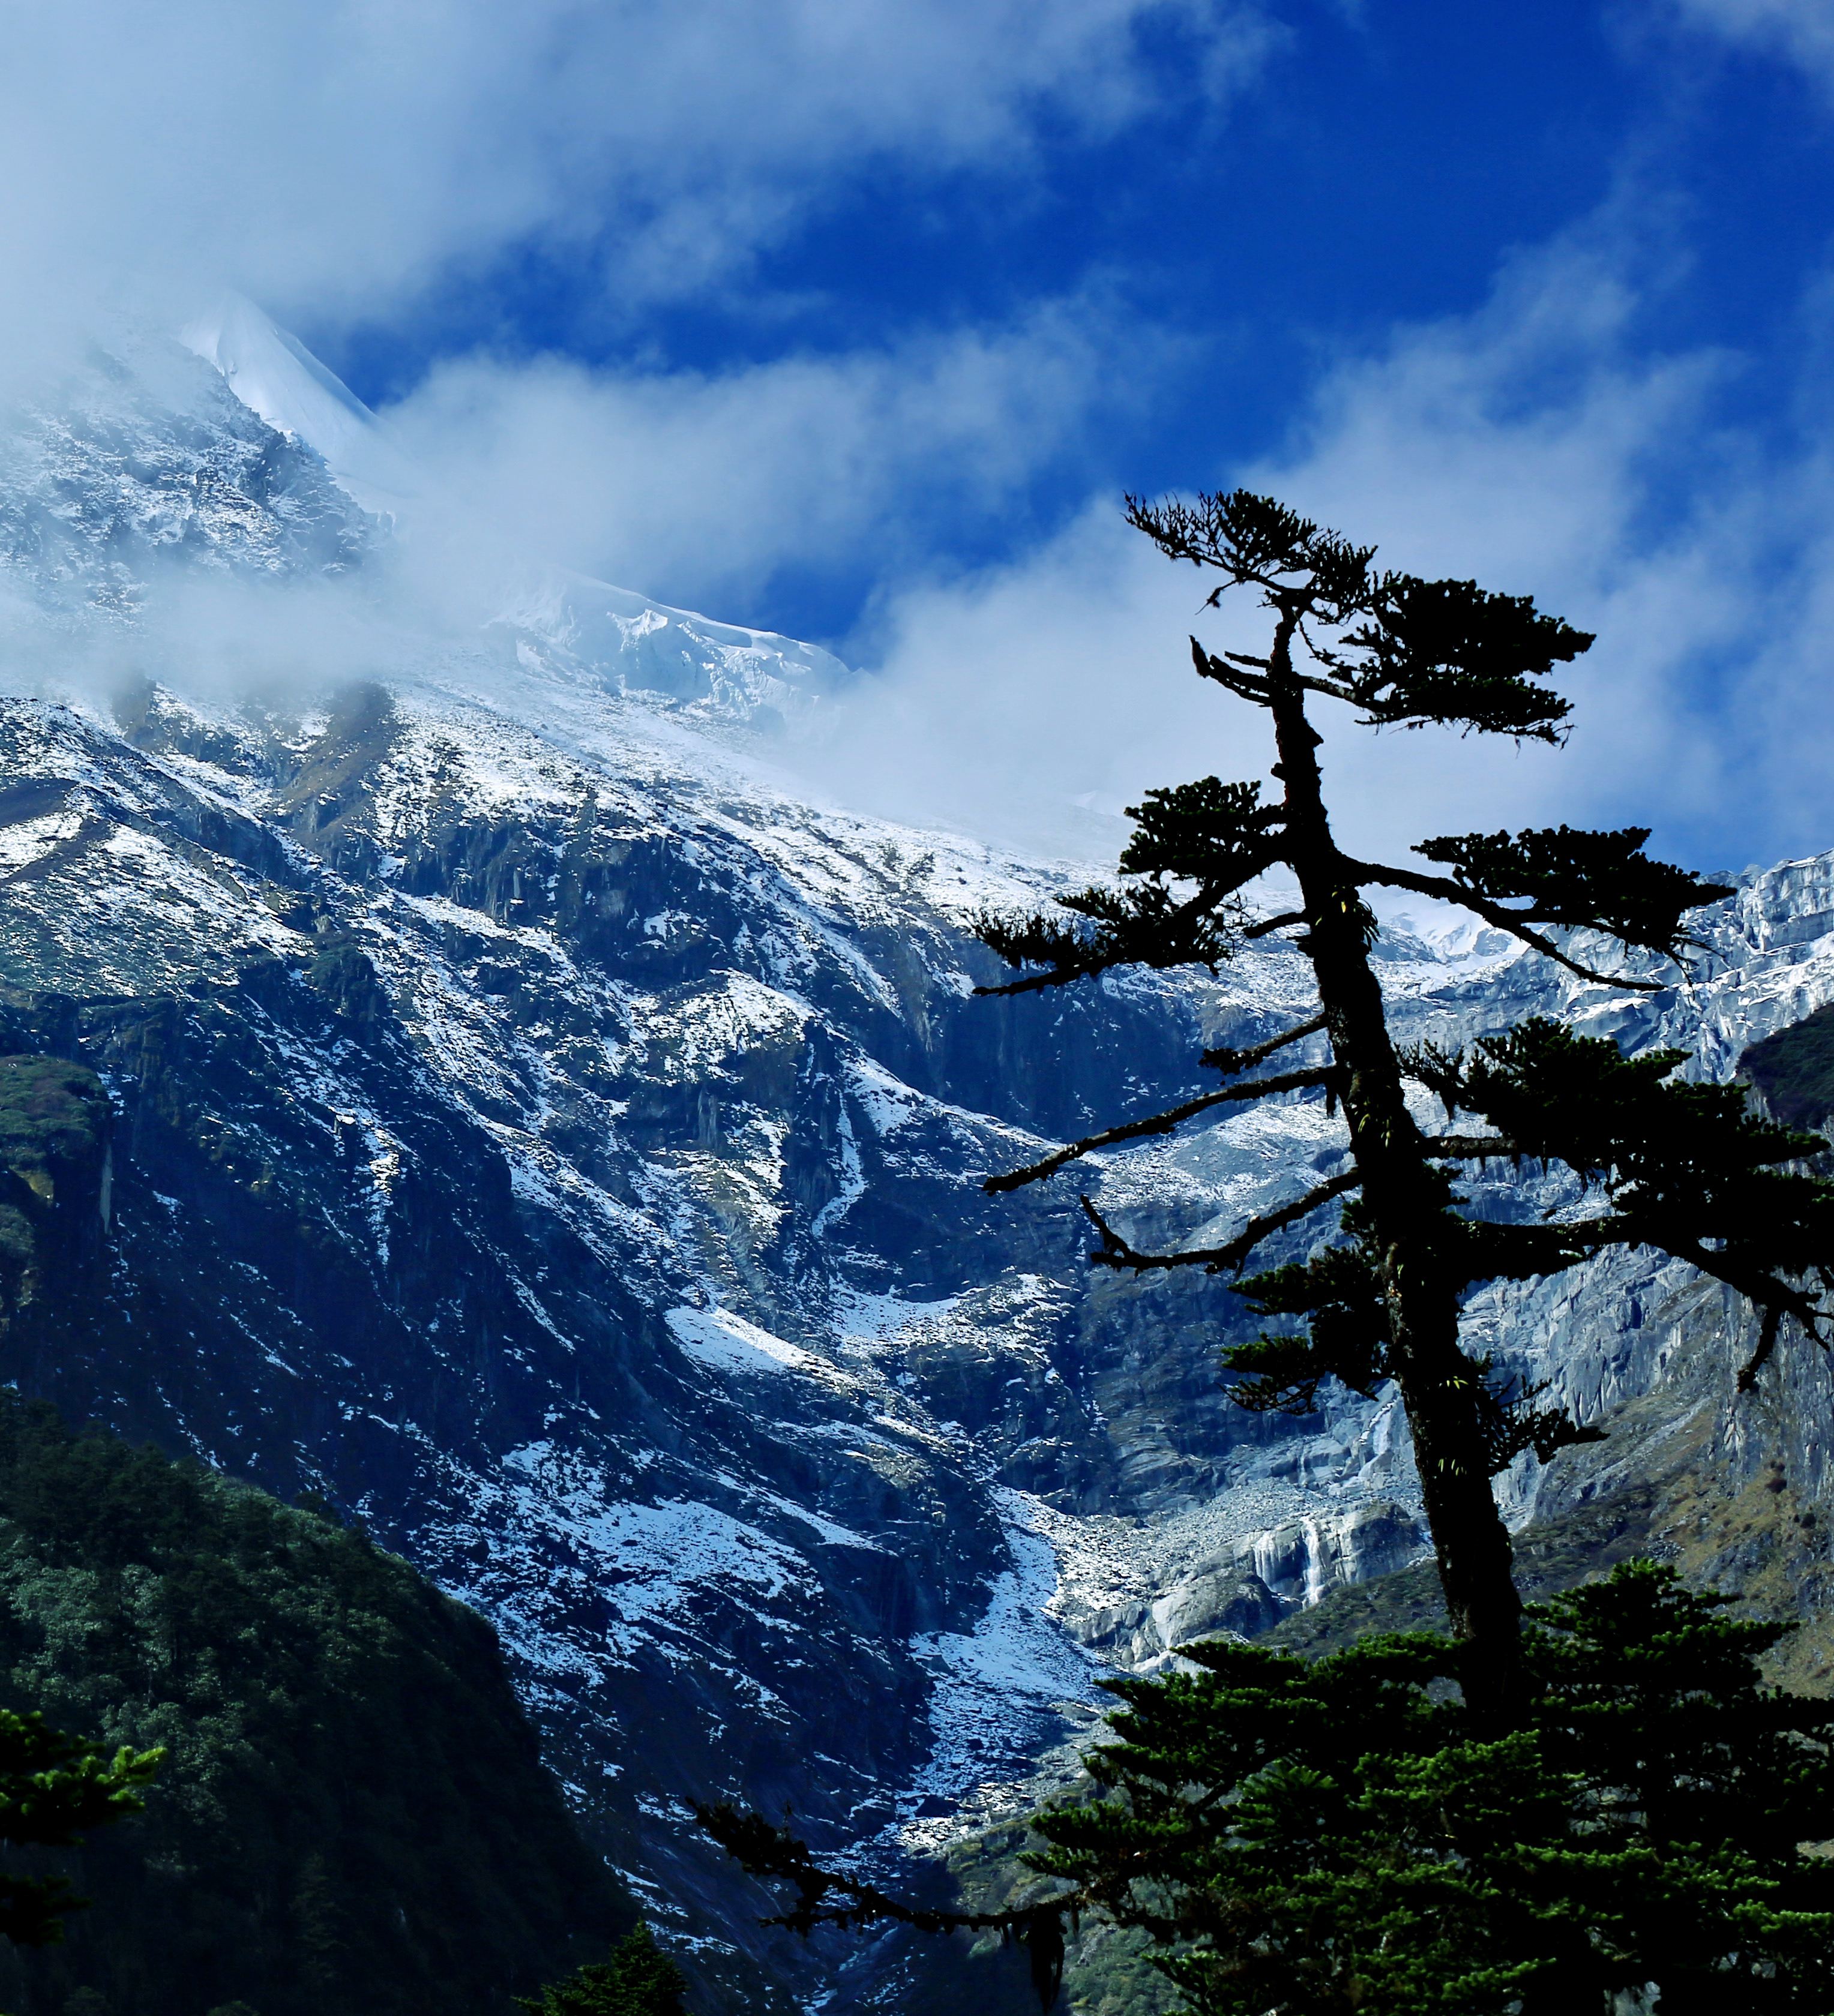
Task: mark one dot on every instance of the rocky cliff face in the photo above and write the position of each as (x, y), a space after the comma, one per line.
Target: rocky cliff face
(535, 1129)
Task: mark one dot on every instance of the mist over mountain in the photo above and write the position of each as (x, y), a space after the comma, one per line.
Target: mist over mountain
(548, 1130)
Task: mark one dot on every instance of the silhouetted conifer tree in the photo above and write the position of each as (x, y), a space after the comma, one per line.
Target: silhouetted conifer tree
(640, 1979)
(1679, 1167)
(1507, 1823)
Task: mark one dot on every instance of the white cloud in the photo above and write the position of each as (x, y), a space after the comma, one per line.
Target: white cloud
(1801, 30)
(333, 156)
(1532, 445)
(697, 487)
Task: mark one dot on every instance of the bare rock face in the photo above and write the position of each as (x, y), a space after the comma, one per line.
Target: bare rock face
(1218, 1598)
(483, 1092)
(57, 1181)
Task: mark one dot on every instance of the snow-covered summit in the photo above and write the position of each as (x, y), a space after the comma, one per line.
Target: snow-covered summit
(160, 471)
(561, 621)
(275, 375)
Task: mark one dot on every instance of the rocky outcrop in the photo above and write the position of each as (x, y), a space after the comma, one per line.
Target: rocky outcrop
(56, 1202)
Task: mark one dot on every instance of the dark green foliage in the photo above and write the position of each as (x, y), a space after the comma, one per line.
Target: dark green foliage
(640, 1979)
(1685, 1167)
(54, 1790)
(1146, 925)
(1258, 540)
(1348, 1339)
(1421, 651)
(352, 1820)
(1603, 880)
(1794, 1070)
(1448, 651)
(1209, 832)
(1320, 1837)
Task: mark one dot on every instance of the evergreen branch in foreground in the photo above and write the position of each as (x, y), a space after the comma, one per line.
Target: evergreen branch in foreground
(1218, 834)
(1146, 925)
(1258, 542)
(1515, 921)
(1582, 880)
(1230, 1061)
(1451, 654)
(1161, 1123)
(1116, 1252)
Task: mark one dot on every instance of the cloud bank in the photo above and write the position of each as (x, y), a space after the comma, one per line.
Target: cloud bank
(334, 157)
(338, 161)
(1534, 445)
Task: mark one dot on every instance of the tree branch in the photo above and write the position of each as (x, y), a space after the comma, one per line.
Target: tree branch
(1116, 1252)
(1231, 1062)
(1244, 685)
(775, 1854)
(1776, 1297)
(1447, 891)
(1267, 924)
(1329, 688)
(1159, 1123)
(1471, 1148)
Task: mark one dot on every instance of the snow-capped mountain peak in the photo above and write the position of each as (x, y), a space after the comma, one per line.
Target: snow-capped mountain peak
(274, 374)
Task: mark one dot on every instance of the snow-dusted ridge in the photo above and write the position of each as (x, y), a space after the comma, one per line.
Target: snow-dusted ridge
(544, 1131)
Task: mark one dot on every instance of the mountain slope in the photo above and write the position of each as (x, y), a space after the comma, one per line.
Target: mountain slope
(350, 1816)
(539, 1130)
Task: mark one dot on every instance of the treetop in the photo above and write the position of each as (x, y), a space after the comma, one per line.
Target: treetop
(1421, 652)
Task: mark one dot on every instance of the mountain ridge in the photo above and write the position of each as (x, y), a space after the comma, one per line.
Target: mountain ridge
(544, 1133)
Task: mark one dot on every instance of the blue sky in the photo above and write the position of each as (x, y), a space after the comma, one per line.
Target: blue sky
(852, 318)
(1365, 168)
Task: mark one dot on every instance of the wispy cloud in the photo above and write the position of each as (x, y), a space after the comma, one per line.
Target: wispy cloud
(699, 487)
(1540, 444)
(334, 158)
(1803, 30)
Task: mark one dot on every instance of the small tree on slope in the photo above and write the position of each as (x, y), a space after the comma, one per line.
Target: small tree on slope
(640, 1979)
(1679, 1167)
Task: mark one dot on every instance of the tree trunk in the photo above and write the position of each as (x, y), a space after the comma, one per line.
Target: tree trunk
(1403, 1198)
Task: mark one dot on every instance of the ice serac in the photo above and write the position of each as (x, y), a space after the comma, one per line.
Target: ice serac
(539, 1129)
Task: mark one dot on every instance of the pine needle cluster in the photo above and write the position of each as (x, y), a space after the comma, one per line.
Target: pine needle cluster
(1315, 1838)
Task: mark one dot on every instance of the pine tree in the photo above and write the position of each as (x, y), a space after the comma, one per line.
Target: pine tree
(1679, 1167)
(1506, 1823)
(640, 1979)
(54, 1790)
(1314, 1837)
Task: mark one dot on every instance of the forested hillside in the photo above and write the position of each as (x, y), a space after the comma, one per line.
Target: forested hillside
(352, 1816)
